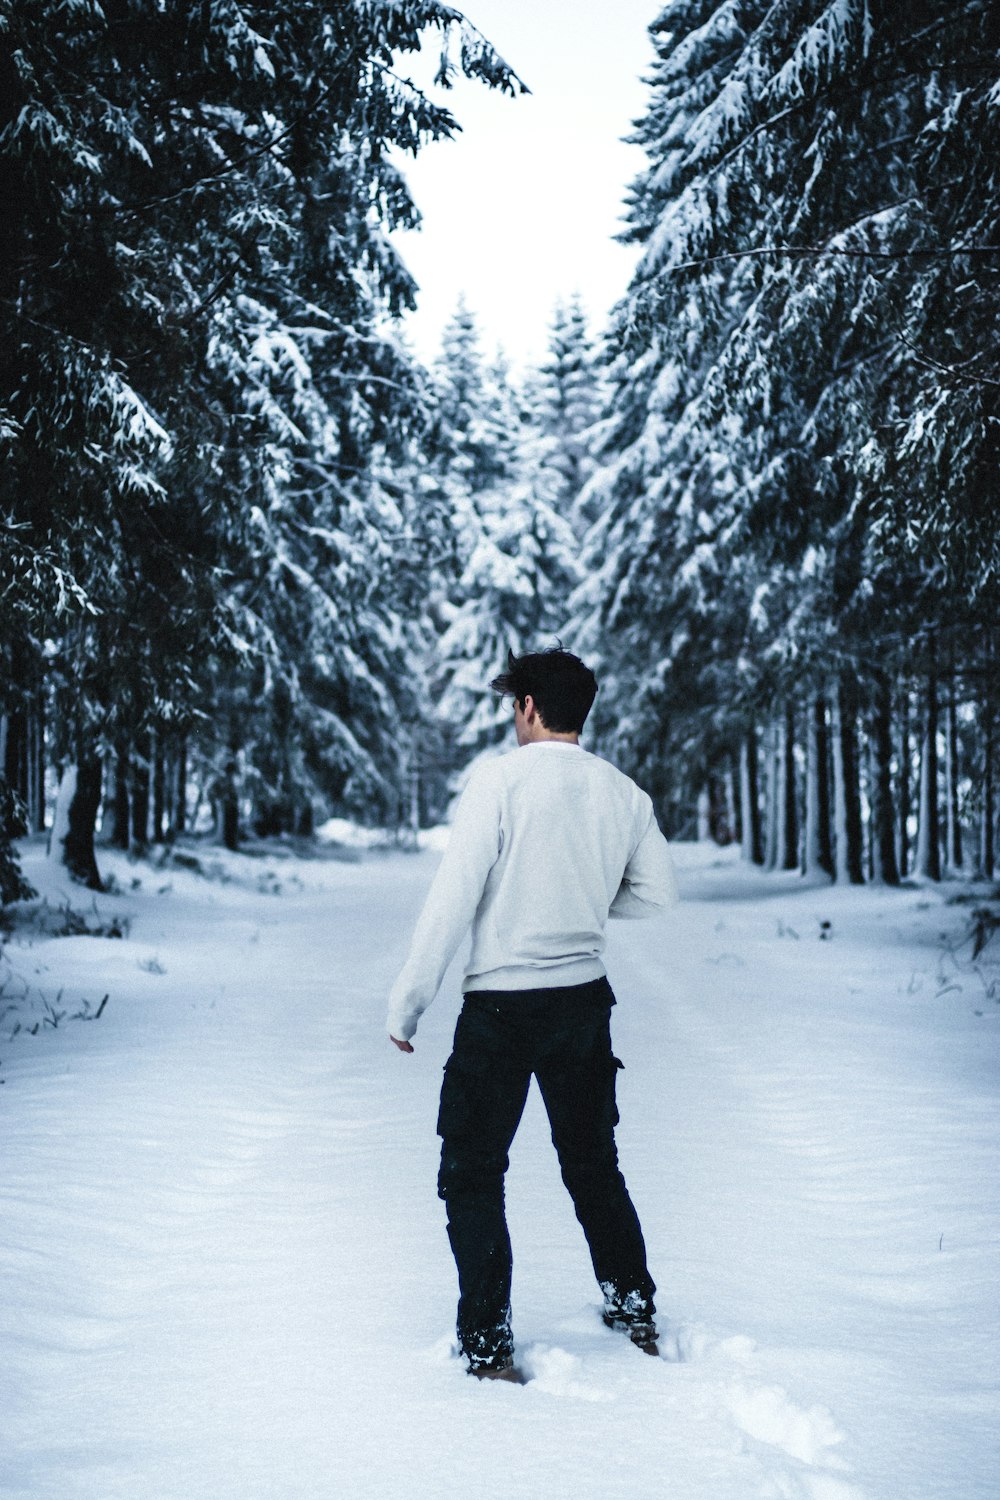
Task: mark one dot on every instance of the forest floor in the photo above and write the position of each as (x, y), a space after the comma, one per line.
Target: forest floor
(224, 1273)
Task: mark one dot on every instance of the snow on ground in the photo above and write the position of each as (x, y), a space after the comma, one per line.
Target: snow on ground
(223, 1266)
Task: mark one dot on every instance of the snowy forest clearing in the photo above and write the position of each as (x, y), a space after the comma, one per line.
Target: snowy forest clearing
(225, 1271)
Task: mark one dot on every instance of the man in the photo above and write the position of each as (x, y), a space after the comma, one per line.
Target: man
(547, 842)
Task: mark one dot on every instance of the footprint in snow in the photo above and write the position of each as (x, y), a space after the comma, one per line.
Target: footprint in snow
(557, 1371)
(768, 1415)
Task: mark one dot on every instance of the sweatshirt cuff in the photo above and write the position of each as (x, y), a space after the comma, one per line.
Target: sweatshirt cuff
(403, 1029)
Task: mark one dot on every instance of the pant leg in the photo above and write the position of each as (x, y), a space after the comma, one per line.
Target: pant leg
(577, 1082)
(482, 1099)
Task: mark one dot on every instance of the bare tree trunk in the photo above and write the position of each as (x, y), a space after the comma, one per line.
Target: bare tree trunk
(784, 807)
(409, 803)
(204, 791)
(788, 843)
(729, 832)
(34, 799)
(228, 792)
(42, 762)
(750, 837)
(953, 825)
(904, 785)
(714, 809)
(883, 831)
(159, 788)
(987, 810)
(928, 860)
(139, 793)
(704, 815)
(816, 843)
(229, 830)
(178, 816)
(115, 827)
(36, 777)
(14, 767)
(846, 789)
(75, 819)
(773, 781)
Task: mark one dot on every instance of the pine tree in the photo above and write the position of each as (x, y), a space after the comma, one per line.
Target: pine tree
(193, 338)
(566, 402)
(516, 550)
(792, 363)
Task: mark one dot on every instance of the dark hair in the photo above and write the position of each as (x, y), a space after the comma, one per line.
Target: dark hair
(561, 685)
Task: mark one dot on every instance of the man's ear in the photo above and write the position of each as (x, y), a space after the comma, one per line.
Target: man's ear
(528, 707)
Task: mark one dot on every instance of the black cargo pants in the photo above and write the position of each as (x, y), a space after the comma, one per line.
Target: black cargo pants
(563, 1036)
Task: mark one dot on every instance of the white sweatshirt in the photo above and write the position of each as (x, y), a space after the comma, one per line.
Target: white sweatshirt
(547, 842)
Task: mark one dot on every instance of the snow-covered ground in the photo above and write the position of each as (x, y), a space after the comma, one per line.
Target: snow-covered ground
(223, 1266)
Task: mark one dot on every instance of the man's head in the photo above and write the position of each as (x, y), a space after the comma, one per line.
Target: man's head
(560, 687)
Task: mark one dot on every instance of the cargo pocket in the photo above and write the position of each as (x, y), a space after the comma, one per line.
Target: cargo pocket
(458, 1093)
(613, 1115)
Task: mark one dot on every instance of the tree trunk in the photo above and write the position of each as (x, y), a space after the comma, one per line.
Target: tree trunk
(736, 796)
(903, 809)
(229, 826)
(36, 769)
(953, 825)
(717, 793)
(816, 843)
(42, 762)
(750, 834)
(987, 812)
(788, 819)
(14, 766)
(773, 781)
(204, 791)
(928, 860)
(123, 790)
(115, 823)
(75, 818)
(33, 800)
(846, 789)
(228, 792)
(784, 806)
(414, 789)
(704, 815)
(731, 816)
(159, 788)
(178, 813)
(883, 827)
(139, 793)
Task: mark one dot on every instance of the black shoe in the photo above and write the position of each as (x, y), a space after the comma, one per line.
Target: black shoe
(642, 1332)
(501, 1370)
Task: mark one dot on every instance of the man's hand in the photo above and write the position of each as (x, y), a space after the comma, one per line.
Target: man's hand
(403, 1046)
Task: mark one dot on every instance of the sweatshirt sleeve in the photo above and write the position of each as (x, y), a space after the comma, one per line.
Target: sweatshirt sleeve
(649, 884)
(472, 850)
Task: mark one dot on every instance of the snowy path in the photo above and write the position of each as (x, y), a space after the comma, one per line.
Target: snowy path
(223, 1268)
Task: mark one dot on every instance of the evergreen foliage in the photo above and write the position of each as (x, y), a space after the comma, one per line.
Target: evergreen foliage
(567, 403)
(516, 558)
(204, 403)
(252, 550)
(13, 886)
(799, 467)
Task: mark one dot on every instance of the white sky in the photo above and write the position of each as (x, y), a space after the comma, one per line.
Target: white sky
(522, 207)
